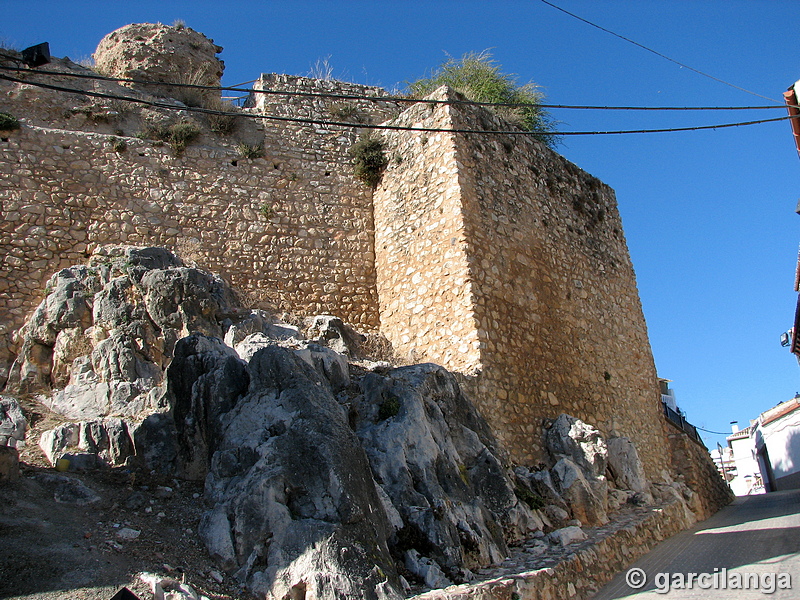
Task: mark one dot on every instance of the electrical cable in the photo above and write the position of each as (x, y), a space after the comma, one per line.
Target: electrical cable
(664, 56)
(714, 432)
(379, 98)
(169, 106)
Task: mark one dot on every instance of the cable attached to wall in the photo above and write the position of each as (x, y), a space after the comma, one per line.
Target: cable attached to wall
(382, 127)
(398, 99)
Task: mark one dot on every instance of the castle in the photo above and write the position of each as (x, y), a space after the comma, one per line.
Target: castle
(488, 254)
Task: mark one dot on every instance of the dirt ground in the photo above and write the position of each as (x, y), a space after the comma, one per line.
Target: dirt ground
(63, 536)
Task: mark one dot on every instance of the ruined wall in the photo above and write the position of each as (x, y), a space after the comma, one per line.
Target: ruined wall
(294, 229)
(531, 251)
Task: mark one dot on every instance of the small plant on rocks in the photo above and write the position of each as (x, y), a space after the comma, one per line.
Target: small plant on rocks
(177, 135)
(222, 121)
(266, 211)
(389, 408)
(181, 135)
(480, 78)
(117, 145)
(248, 151)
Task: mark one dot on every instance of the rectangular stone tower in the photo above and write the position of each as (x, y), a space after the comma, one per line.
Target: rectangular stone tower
(500, 259)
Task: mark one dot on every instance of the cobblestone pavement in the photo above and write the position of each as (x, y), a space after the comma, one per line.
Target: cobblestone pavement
(749, 549)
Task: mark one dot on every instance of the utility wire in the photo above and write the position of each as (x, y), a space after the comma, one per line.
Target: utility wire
(380, 98)
(714, 432)
(320, 122)
(664, 56)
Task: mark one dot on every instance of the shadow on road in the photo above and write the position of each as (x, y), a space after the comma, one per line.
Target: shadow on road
(759, 534)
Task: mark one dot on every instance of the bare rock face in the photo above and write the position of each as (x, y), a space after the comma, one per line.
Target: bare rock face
(204, 381)
(162, 54)
(625, 466)
(437, 464)
(88, 444)
(332, 332)
(105, 332)
(586, 496)
(323, 494)
(582, 443)
(12, 423)
(296, 512)
(581, 457)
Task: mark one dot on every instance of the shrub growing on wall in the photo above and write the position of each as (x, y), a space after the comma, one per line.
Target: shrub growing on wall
(8, 122)
(478, 77)
(369, 159)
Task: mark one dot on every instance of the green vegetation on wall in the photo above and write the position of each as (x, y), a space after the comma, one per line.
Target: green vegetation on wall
(479, 78)
(369, 159)
(8, 122)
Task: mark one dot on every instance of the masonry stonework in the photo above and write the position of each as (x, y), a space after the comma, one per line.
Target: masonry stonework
(292, 229)
(486, 253)
(500, 259)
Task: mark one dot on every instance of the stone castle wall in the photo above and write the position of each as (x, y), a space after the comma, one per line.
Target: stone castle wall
(424, 285)
(294, 229)
(558, 310)
(692, 462)
(490, 255)
(525, 254)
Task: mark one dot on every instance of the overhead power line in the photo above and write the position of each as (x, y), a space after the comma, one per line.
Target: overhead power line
(714, 432)
(399, 99)
(664, 56)
(322, 122)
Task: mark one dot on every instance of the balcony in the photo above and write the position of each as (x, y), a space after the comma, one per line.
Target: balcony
(681, 423)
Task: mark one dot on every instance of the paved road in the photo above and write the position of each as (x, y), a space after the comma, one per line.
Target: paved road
(757, 535)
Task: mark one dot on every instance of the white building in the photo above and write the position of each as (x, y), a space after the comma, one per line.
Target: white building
(776, 437)
(742, 468)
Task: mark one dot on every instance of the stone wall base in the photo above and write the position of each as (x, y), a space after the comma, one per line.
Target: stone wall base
(692, 461)
(583, 568)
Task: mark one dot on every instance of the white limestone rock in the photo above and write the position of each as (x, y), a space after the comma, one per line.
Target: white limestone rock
(625, 466)
(582, 443)
(567, 535)
(426, 569)
(12, 423)
(107, 442)
(294, 505)
(587, 498)
(436, 460)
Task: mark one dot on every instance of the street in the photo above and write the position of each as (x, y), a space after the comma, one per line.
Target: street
(749, 549)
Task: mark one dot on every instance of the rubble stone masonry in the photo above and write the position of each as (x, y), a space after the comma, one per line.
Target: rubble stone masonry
(488, 254)
(498, 258)
(292, 229)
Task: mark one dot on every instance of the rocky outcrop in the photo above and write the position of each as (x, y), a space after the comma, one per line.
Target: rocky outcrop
(204, 381)
(88, 444)
(624, 464)
(157, 53)
(581, 457)
(105, 332)
(406, 467)
(295, 506)
(333, 333)
(324, 478)
(439, 469)
(581, 443)
(12, 423)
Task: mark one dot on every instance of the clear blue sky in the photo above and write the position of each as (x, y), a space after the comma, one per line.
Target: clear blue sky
(709, 215)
